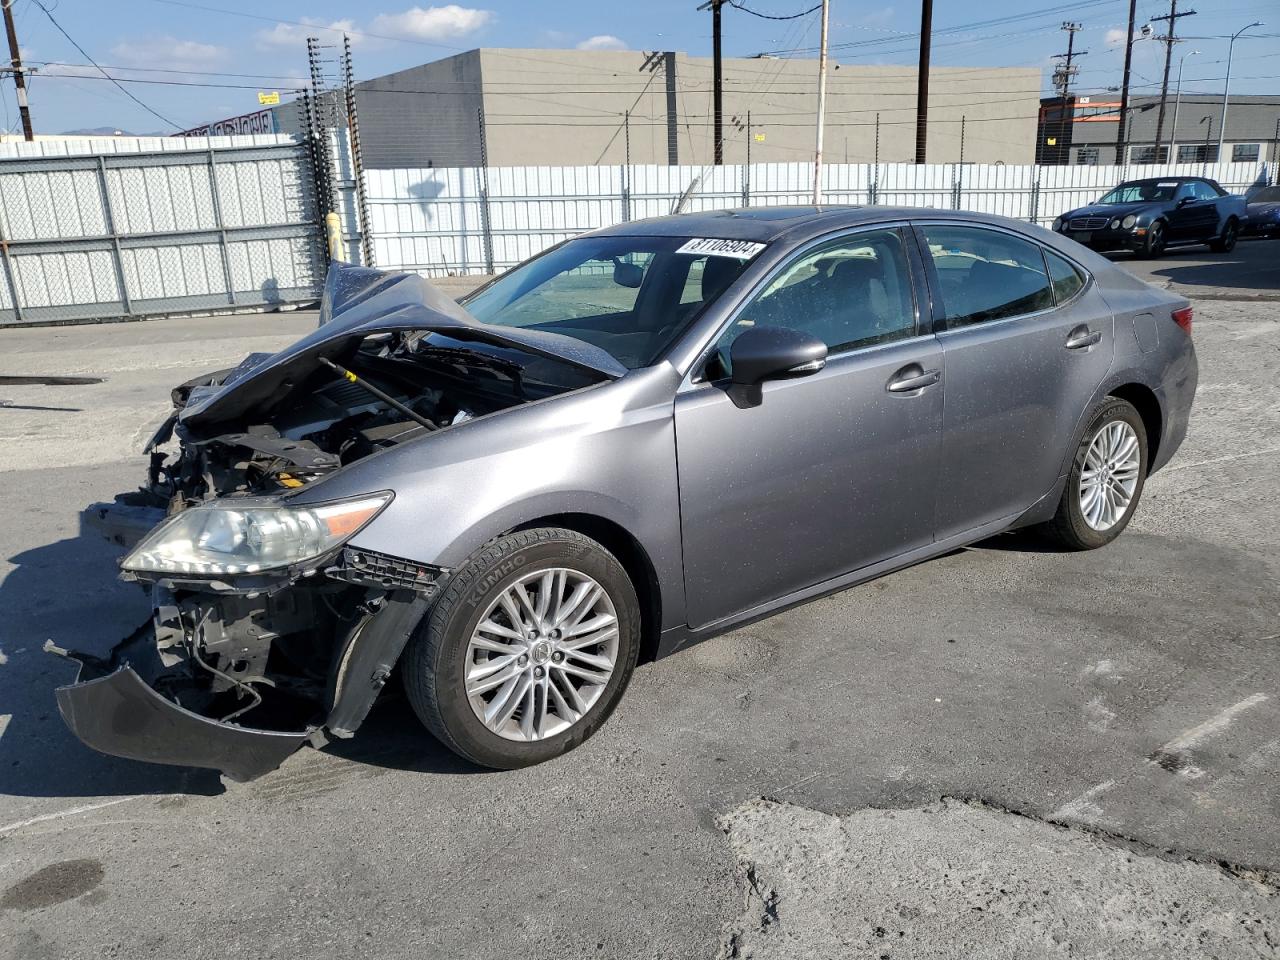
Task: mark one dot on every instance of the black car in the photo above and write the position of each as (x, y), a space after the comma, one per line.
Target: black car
(1264, 213)
(1146, 216)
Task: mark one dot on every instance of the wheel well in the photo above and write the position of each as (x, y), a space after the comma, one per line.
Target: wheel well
(635, 561)
(1148, 407)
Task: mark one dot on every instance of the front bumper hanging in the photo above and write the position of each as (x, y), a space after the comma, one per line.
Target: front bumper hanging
(112, 709)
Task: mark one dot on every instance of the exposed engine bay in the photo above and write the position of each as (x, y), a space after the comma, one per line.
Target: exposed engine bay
(239, 667)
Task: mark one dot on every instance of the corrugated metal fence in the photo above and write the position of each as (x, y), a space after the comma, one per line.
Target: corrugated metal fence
(95, 230)
(455, 221)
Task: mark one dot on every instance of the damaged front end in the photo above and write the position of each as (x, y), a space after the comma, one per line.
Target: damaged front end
(270, 628)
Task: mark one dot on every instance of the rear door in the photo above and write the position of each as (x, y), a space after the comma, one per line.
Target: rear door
(1026, 340)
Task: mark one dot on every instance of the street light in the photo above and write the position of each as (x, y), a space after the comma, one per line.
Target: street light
(1226, 89)
(1177, 102)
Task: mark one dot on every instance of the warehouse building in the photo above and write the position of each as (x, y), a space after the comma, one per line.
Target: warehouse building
(566, 107)
(1084, 130)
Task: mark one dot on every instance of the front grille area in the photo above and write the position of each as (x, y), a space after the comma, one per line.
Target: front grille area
(1088, 223)
(371, 569)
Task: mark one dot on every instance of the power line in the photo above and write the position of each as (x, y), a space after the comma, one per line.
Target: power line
(85, 54)
(769, 16)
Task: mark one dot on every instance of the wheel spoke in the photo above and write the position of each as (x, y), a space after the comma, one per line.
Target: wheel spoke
(512, 610)
(504, 703)
(593, 660)
(591, 640)
(583, 598)
(491, 681)
(583, 673)
(493, 646)
(563, 708)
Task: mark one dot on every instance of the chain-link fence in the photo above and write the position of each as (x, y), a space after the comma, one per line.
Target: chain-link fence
(207, 226)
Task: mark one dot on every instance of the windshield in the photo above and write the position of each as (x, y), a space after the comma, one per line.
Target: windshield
(1141, 190)
(631, 296)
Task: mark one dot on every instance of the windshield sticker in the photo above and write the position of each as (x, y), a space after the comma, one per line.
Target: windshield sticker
(738, 249)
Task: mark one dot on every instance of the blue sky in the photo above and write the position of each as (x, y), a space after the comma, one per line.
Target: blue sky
(206, 59)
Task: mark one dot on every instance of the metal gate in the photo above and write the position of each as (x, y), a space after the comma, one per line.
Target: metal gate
(127, 235)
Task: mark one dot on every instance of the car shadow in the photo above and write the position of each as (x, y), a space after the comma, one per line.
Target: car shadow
(394, 738)
(1026, 540)
(67, 592)
(1252, 265)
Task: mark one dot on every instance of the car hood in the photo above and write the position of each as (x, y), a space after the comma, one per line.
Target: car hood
(358, 302)
(1271, 206)
(1113, 209)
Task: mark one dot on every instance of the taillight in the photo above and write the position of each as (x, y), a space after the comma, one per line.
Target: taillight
(1183, 319)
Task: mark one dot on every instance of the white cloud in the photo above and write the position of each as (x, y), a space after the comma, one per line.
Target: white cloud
(433, 23)
(604, 41)
(878, 18)
(168, 52)
(1116, 37)
(295, 34)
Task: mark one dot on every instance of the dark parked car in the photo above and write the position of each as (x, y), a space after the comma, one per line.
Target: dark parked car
(641, 438)
(1264, 213)
(1148, 216)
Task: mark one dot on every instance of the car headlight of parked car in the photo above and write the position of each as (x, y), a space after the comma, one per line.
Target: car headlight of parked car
(1057, 225)
(222, 537)
(1128, 221)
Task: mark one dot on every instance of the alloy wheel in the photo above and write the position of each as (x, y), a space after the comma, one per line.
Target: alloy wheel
(542, 654)
(1109, 474)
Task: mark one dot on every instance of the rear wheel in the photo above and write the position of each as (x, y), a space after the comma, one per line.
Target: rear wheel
(528, 649)
(1106, 479)
(1154, 242)
(1227, 242)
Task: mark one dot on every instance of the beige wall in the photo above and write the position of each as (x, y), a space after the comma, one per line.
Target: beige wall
(554, 107)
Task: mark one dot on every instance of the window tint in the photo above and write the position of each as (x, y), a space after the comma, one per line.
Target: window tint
(1203, 191)
(1067, 280)
(987, 275)
(849, 293)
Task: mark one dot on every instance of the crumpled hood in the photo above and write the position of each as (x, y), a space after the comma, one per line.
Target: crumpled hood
(359, 301)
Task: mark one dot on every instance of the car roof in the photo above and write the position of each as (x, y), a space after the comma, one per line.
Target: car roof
(794, 223)
(1175, 179)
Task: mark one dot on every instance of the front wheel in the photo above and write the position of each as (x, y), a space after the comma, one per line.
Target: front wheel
(1154, 242)
(527, 650)
(1227, 242)
(1106, 479)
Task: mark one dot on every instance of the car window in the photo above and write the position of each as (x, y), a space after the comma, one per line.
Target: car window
(986, 275)
(1203, 191)
(849, 293)
(632, 296)
(1184, 190)
(1067, 280)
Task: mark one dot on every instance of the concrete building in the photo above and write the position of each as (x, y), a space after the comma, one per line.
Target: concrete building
(564, 107)
(1083, 130)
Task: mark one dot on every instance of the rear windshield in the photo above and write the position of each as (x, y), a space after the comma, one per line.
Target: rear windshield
(631, 296)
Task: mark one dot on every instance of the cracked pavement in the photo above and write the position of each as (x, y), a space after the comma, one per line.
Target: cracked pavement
(1129, 692)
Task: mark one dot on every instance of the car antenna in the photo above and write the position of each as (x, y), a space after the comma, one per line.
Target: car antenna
(384, 397)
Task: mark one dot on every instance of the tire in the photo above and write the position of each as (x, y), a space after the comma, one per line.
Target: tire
(441, 655)
(1154, 243)
(1227, 242)
(1072, 526)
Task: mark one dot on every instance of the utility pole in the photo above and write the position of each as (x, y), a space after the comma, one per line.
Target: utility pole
(1062, 76)
(717, 81)
(1124, 87)
(922, 78)
(822, 106)
(19, 80)
(1169, 39)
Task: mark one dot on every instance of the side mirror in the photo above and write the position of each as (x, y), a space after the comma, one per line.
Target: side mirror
(627, 274)
(1184, 201)
(771, 353)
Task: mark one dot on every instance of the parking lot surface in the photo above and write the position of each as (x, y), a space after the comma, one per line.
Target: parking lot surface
(1047, 731)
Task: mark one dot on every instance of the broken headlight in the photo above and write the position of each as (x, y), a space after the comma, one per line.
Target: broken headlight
(223, 537)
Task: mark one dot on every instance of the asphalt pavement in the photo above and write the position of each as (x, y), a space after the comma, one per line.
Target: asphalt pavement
(1008, 751)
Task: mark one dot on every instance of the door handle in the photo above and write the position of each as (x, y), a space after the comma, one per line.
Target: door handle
(1082, 337)
(912, 377)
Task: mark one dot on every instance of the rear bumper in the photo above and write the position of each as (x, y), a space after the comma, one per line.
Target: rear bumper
(113, 710)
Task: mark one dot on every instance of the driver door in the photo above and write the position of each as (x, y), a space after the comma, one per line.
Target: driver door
(832, 471)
